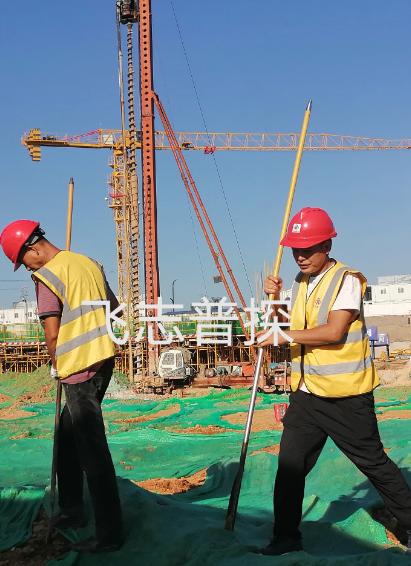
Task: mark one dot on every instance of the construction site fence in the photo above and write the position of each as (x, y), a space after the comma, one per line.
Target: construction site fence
(23, 349)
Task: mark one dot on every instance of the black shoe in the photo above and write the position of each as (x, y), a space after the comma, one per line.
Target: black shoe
(62, 521)
(282, 545)
(408, 551)
(92, 546)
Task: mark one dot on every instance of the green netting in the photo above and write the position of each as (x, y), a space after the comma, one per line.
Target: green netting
(188, 528)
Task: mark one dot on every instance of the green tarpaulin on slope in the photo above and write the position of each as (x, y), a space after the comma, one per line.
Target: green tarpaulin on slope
(189, 528)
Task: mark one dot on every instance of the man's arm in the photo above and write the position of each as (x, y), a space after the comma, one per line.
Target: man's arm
(51, 332)
(329, 333)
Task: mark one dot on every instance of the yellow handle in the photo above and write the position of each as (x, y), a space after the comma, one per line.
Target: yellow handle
(290, 198)
(69, 214)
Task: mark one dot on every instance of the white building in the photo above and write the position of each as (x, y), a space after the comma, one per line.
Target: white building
(391, 296)
(22, 312)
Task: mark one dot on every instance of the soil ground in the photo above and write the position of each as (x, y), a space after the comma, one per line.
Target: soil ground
(207, 430)
(35, 552)
(263, 419)
(164, 413)
(274, 449)
(169, 486)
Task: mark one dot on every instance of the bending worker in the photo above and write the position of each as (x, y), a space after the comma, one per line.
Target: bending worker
(332, 381)
(82, 353)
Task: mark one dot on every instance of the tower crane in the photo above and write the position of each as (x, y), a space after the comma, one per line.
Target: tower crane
(35, 139)
(123, 190)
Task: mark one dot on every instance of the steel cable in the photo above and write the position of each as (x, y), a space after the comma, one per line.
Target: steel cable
(215, 161)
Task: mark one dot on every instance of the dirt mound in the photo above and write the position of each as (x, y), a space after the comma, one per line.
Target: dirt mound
(143, 419)
(14, 413)
(40, 396)
(274, 449)
(35, 552)
(263, 419)
(15, 410)
(168, 486)
(4, 398)
(402, 414)
(207, 430)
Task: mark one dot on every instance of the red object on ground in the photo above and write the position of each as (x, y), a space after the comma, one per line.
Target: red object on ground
(279, 411)
(248, 370)
(309, 227)
(14, 236)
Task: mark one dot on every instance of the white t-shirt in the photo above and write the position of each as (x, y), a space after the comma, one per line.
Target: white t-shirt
(348, 298)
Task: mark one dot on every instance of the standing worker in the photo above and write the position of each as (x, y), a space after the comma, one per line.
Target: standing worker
(332, 381)
(82, 355)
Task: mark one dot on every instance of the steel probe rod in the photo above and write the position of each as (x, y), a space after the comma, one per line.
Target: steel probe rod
(235, 491)
(59, 385)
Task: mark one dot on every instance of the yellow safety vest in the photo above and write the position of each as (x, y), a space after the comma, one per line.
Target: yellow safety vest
(336, 370)
(83, 338)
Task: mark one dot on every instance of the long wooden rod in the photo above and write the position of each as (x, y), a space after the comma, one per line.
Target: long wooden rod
(53, 481)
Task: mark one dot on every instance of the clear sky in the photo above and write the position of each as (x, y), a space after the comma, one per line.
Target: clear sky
(255, 65)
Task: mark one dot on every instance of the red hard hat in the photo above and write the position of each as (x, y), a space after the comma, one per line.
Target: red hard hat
(14, 236)
(309, 227)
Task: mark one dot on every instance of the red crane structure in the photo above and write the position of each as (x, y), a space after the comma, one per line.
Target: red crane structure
(128, 14)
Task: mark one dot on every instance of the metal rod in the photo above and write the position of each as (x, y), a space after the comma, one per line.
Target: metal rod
(59, 385)
(235, 491)
(125, 192)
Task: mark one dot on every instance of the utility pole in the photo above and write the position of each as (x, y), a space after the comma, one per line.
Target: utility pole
(172, 292)
(24, 296)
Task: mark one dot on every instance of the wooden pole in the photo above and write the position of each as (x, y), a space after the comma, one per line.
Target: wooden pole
(59, 385)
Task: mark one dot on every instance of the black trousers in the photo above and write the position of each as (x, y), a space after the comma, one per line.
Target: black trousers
(352, 424)
(82, 449)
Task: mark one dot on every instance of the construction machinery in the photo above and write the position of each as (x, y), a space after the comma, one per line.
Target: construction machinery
(123, 183)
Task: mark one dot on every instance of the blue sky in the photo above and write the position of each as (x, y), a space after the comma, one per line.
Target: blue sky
(255, 66)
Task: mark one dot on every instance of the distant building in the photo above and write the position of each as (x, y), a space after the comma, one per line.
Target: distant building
(22, 312)
(391, 296)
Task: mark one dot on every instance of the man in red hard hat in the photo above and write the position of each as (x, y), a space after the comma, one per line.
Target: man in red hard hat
(82, 353)
(332, 381)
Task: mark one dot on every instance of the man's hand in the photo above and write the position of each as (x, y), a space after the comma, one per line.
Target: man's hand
(53, 373)
(273, 286)
(270, 340)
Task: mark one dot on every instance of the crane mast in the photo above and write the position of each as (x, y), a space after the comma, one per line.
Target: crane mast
(148, 171)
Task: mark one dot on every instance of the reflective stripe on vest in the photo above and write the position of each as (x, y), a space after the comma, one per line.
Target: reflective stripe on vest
(333, 369)
(325, 305)
(71, 345)
(295, 288)
(68, 314)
